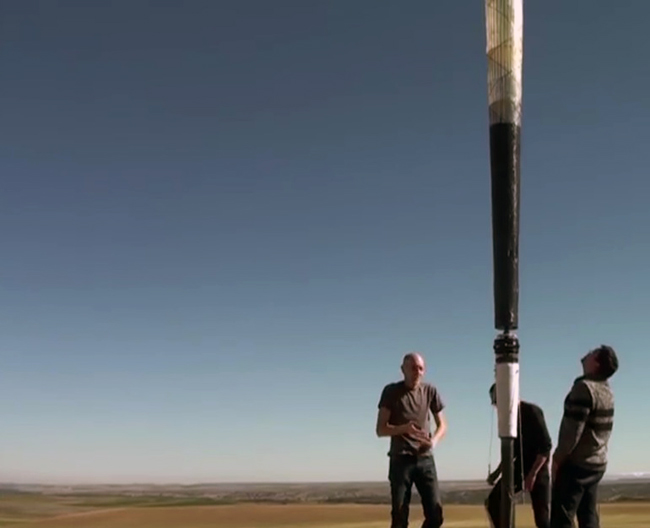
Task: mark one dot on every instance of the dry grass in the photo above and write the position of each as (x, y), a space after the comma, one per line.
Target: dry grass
(624, 515)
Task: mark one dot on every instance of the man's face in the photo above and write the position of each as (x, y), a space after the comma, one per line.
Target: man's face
(590, 363)
(413, 370)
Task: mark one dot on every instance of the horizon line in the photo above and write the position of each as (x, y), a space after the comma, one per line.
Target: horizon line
(619, 476)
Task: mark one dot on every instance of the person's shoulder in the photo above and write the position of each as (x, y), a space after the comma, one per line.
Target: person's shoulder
(432, 393)
(532, 408)
(596, 388)
(581, 383)
(393, 388)
(389, 394)
(582, 390)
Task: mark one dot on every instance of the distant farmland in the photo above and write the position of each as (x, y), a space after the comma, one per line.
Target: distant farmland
(460, 492)
(328, 505)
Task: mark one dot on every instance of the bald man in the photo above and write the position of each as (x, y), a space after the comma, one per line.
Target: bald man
(404, 414)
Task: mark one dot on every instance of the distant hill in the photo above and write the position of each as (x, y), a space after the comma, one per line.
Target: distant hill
(616, 489)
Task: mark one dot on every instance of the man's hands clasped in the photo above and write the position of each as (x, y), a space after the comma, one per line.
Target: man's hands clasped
(423, 437)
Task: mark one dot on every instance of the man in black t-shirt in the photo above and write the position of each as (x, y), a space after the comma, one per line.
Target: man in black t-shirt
(405, 411)
(533, 448)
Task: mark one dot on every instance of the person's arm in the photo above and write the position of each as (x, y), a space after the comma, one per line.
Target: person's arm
(537, 465)
(492, 477)
(426, 439)
(385, 428)
(436, 406)
(441, 427)
(542, 439)
(577, 408)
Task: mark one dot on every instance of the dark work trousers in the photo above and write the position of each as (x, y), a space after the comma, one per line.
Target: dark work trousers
(540, 497)
(404, 471)
(575, 494)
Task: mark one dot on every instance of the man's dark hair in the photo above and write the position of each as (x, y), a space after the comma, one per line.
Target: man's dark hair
(607, 361)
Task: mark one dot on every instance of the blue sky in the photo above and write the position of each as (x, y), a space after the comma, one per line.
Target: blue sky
(223, 226)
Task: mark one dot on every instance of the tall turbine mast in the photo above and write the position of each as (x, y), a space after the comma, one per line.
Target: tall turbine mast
(504, 31)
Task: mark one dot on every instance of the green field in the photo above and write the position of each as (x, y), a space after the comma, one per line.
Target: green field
(123, 512)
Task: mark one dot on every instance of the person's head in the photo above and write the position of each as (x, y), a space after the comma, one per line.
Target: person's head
(413, 369)
(600, 362)
(493, 394)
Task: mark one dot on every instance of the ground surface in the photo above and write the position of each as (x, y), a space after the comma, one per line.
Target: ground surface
(71, 512)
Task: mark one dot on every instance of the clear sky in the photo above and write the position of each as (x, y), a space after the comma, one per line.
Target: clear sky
(223, 224)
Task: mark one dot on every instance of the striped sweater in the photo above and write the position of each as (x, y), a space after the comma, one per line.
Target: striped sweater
(586, 424)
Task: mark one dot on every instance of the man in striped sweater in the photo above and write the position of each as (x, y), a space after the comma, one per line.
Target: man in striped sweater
(580, 459)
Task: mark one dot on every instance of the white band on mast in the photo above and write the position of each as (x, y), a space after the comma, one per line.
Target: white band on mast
(505, 46)
(507, 382)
